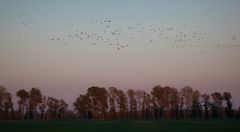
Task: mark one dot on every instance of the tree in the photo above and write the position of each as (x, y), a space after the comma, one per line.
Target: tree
(206, 105)
(139, 101)
(82, 105)
(229, 112)
(53, 106)
(98, 97)
(99, 103)
(35, 98)
(174, 102)
(5, 103)
(112, 102)
(157, 94)
(196, 105)
(122, 103)
(2, 92)
(8, 105)
(132, 104)
(216, 106)
(181, 104)
(147, 106)
(187, 94)
(23, 102)
(43, 106)
(62, 108)
(161, 97)
(166, 100)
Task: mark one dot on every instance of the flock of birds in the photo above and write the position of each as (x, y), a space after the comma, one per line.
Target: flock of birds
(25, 20)
(183, 36)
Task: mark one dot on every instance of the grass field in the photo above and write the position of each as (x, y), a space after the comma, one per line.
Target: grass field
(122, 126)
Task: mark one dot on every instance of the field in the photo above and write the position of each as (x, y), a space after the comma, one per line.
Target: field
(122, 126)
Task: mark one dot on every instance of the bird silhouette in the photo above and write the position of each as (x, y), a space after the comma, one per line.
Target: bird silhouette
(175, 36)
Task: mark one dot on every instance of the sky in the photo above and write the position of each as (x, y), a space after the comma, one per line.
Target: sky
(64, 47)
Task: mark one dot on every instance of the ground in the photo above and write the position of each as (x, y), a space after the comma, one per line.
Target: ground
(122, 126)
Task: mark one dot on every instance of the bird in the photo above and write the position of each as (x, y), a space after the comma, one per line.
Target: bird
(115, 37)
(234, 38)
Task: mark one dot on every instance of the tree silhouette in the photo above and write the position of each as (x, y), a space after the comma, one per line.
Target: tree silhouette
(82, 105)
(132, 104)
(43, 106)
(147, 106)
(98, 97)
(35, 98)
(227, 96)
(62, 108)
(112, 102)
(122, 103)
(8, 105)
(174, 103)
(166, 101)
(206, 104)
(187, 95)
(196, 104)
(139, 101)
(216, 106)
(2, 92)
(157, 101)
(5, 103)
(100, 104)
(23, 102)
(53, 106)
(162, 100)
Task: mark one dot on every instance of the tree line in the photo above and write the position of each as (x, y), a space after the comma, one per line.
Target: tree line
(100, 103)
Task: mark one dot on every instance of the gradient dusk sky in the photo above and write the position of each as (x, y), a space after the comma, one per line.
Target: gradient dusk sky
(142, 43)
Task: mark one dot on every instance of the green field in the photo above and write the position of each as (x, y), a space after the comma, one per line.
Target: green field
(122, 126)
